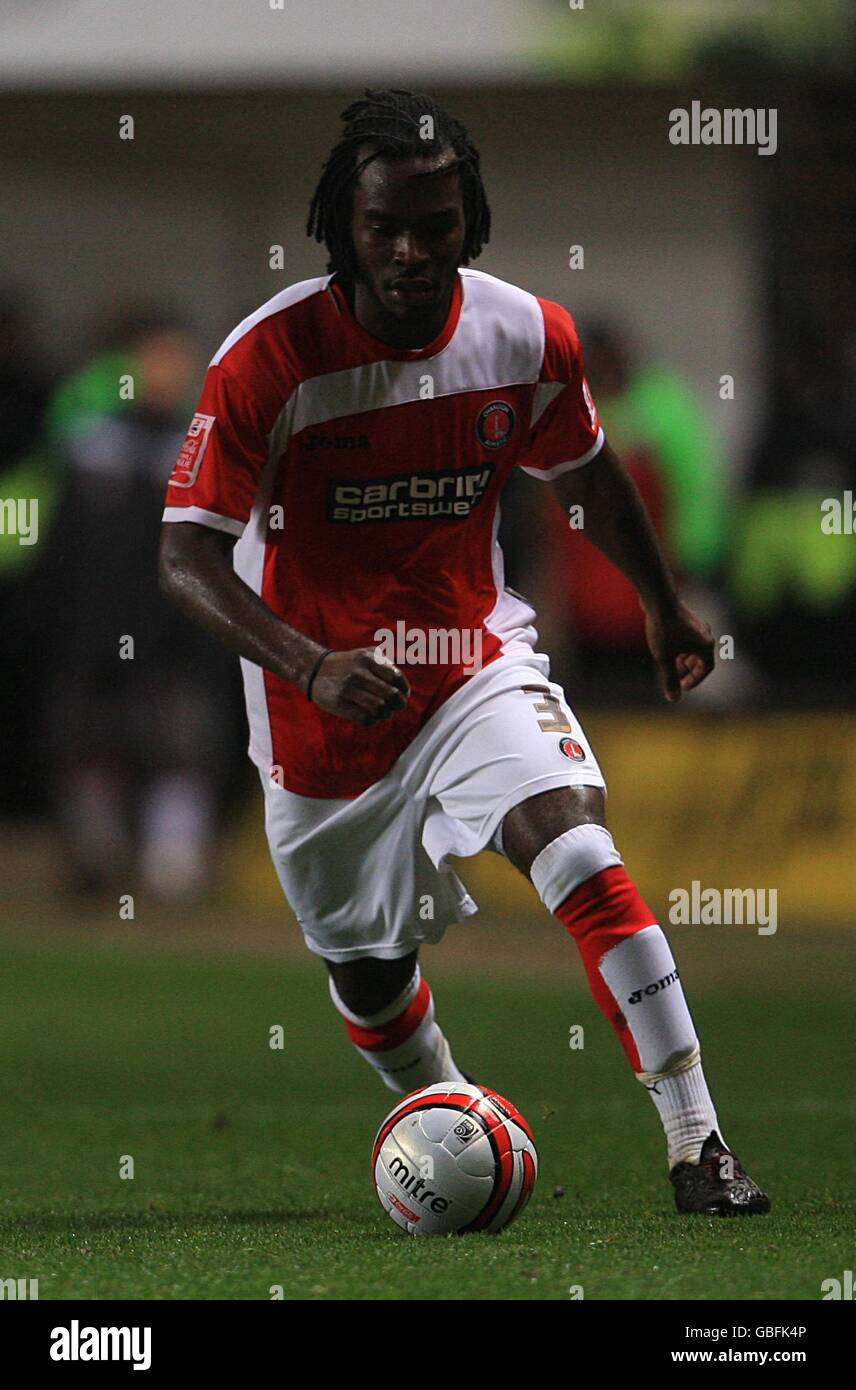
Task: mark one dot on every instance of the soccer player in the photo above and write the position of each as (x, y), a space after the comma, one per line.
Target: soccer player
(332, 517)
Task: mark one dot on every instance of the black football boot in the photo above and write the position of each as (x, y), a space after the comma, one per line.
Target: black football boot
(717, 1184)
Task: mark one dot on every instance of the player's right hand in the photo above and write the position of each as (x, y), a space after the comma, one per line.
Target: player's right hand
(359, 685)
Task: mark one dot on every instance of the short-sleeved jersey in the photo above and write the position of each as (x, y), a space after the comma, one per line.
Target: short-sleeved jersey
(363, 481)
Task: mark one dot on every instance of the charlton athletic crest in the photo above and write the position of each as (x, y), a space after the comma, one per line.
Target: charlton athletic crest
(495, 424)
(572, 749)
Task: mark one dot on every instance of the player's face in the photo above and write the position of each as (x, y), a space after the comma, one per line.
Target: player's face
(408, 231)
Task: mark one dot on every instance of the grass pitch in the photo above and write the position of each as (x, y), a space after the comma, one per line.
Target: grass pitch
(251, 1164)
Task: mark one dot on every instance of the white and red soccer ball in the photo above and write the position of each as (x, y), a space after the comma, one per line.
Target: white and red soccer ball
(453, 1158)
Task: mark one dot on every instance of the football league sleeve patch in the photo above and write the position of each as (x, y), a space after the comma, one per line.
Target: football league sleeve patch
(216, 475)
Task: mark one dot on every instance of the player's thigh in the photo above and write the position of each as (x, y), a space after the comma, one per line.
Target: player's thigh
(519, 758)
(533, 824)
(368, 984)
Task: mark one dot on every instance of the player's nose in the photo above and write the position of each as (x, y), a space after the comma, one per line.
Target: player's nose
(409, 252)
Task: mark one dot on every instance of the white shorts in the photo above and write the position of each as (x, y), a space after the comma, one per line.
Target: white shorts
(368, 876)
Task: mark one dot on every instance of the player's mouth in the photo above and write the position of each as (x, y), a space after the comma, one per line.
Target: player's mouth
(416, 291)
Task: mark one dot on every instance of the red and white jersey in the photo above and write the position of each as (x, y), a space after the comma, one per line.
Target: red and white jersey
(364, 480)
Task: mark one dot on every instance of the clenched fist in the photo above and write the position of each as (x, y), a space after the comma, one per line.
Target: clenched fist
(360, 686)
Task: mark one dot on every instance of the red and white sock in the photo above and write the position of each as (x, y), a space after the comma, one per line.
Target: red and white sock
(402, 1042)
(581, 879)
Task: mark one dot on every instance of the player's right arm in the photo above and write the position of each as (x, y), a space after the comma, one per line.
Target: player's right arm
(209, 500)
(196, 574)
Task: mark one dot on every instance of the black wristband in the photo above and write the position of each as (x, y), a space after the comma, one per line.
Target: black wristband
(315, 669)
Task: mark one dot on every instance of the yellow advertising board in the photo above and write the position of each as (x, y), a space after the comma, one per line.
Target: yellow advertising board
(720, 801)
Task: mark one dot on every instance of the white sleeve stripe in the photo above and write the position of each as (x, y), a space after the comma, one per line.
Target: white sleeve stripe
(558, 469)
(294, 294)
(545, 393)
(203, 518)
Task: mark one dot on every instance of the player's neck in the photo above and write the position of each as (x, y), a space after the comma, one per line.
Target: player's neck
(382, 325)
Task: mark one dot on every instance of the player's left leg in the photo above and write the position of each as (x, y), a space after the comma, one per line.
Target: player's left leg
(366, 896)
(559, 839)
(388, 1010)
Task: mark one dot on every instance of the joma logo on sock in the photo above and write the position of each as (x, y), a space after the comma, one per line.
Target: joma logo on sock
(396, 1071)
(653, 988)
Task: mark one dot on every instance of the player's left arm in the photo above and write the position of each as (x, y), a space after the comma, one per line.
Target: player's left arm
(615, 520)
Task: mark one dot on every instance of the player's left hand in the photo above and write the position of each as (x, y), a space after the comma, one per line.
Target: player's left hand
(682, 646)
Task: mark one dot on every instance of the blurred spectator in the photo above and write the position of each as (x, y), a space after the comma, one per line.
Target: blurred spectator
(794, 580)
(651, 407)
(651, 417)
(27, 482)
(140, 709)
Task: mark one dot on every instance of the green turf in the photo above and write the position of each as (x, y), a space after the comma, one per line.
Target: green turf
(251, 1164)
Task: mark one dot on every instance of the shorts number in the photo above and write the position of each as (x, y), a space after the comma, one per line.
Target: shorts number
(557, 722)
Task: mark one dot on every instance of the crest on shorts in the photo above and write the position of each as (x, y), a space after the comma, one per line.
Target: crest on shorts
(495, 424)
(572, 749)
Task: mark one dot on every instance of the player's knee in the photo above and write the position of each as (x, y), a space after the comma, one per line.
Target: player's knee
(569, 860)
(535, 823)
(368, 985)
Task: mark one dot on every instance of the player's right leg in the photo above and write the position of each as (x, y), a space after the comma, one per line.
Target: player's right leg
(388, 1011)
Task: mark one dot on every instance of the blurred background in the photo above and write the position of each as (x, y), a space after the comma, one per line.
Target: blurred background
(155, 172)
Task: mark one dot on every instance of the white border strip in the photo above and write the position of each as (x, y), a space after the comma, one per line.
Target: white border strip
(558, 469)
(203, 518)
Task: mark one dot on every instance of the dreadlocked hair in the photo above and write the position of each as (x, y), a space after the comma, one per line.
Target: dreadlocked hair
(393, 123)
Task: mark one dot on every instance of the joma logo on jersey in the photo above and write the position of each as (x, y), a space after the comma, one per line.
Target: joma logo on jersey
(451, 493)
(336, 441)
